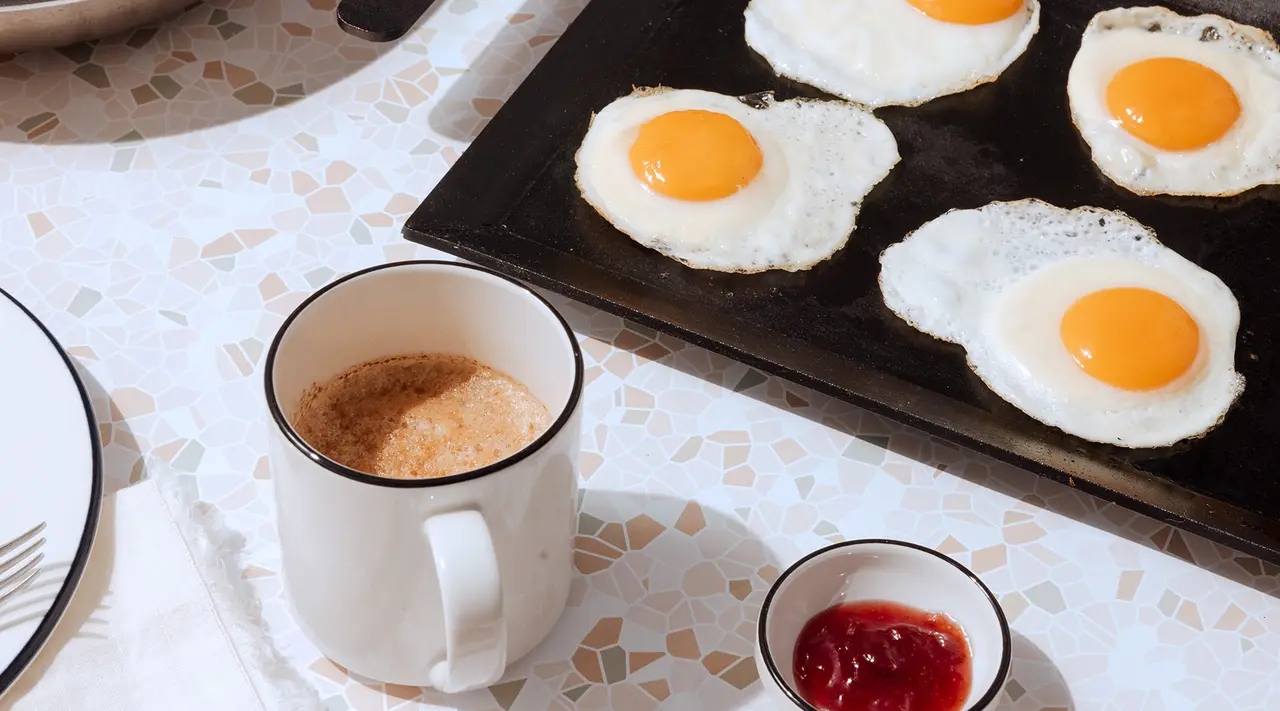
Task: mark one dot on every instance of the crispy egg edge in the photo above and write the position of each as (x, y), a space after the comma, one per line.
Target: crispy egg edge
(1238, 381)
(1033, 22)
(1245, 34)
(766, 100)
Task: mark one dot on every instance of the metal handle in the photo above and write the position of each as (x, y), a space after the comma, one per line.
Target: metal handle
(380, 20)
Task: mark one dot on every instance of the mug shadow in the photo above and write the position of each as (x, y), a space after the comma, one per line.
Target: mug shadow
(665, 599)
(468, 105)
(905, 441)
(1034, 681)
(148, 82)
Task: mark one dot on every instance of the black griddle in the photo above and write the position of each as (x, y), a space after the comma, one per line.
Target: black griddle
(510, 203)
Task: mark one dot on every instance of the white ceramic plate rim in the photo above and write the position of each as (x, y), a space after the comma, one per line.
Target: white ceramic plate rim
(85, 519)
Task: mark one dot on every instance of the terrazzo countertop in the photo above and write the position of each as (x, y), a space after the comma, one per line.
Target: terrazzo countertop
(170, 195)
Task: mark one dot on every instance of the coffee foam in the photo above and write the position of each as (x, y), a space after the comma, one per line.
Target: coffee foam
(419, 416)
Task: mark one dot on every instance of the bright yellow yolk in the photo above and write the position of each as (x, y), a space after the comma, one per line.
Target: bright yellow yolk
(695, 155)
(1131, 338)
(1173, 103)
(968, 12)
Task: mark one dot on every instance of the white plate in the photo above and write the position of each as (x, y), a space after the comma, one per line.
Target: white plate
(50, 471)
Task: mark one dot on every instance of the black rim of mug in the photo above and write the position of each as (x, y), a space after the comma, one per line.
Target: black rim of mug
(277, 415)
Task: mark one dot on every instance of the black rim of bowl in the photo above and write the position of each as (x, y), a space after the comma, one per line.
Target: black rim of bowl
(277, 414)
(1006, 640)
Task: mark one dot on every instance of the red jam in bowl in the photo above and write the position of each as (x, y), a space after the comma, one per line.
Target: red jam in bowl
(882, 656)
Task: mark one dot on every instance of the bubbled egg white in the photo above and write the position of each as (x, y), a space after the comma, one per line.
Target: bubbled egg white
(819, 160)
(998, 281)
(1246, 156)
(884, 52)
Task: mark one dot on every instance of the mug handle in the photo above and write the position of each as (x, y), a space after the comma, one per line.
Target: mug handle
(471, 594)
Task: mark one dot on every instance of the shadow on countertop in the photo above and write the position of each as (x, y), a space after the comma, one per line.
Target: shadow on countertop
(466, 107)
(215, 63)
(649, 569)
(1034, 674)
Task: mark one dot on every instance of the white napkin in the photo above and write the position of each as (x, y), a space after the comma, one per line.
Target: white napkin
(161, 620)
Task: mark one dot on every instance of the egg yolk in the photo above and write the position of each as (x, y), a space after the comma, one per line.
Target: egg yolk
(968, 12)
(1173, 103)
(1131, 338)
(695, 155)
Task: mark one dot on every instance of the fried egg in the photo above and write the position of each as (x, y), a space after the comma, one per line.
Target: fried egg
(1080, 318)
(1178, 105)
(891, 52)
(716, 183)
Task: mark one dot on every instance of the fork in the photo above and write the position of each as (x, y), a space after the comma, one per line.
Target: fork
(26, 560)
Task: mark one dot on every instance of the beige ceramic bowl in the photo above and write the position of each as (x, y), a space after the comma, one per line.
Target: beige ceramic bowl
(57, 23)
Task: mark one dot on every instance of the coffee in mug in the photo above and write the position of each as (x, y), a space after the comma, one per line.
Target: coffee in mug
(418, 416)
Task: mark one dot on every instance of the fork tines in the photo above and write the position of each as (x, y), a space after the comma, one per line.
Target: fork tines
(22, 553)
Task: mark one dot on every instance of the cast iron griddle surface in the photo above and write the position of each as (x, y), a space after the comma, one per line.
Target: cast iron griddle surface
(510, 202)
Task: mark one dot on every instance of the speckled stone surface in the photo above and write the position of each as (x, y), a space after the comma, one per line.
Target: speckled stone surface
(170, 195)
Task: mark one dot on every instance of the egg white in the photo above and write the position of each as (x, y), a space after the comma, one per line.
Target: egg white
(1248, 58)
(820, 159)
(884, 52)
(998, 280)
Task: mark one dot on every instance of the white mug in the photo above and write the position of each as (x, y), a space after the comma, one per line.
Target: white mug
(437, 582)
